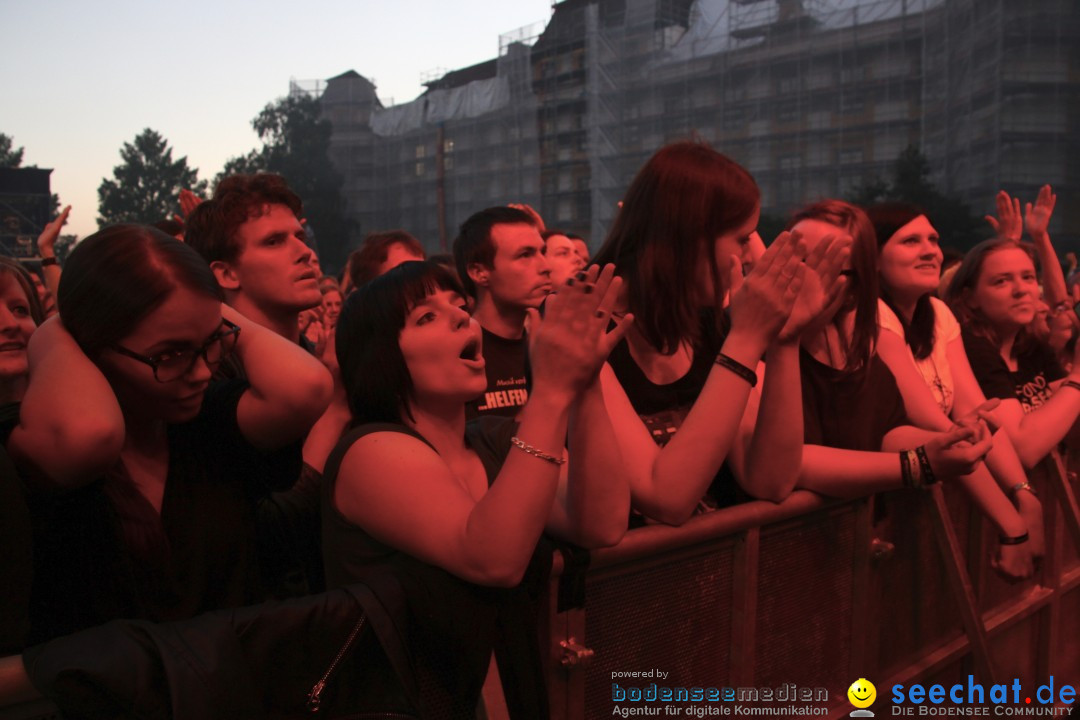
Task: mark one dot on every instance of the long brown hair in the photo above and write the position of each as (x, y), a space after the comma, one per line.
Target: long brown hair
(681, 200)
(963, 285)
(888, 219)
(862, 291)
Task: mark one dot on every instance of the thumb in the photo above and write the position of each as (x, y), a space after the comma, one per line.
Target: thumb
(992, 221)
(957, 433)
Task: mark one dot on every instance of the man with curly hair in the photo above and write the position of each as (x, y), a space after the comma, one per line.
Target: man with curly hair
(250, 234)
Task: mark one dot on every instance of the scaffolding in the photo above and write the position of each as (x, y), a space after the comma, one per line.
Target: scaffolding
(814, 97)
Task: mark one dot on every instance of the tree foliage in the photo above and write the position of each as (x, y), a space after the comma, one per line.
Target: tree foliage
(145, 188)
(9, 157)
(296, 144)
(911, 184)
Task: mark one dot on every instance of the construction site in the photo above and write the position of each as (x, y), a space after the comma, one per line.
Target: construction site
(814, 97)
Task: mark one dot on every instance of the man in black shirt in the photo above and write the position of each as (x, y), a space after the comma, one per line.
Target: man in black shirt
(500, 257)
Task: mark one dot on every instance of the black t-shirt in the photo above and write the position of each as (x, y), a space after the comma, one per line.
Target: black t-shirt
(850, 411)
(662, 408)
(101, 551)
(1030, 384)
(453, 625)
(506, 367)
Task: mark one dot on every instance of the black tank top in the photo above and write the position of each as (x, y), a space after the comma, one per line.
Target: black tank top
(452, 625)
(664, 407)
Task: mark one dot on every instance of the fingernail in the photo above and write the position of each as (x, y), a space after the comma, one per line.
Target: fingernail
(569, 282)
(581, 275)
(599, 313)
(589, 288)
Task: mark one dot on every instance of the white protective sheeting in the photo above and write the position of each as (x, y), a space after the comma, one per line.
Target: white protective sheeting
(471, 100)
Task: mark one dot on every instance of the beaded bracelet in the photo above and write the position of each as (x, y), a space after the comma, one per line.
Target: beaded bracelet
(1017, 540)
(536, 452)
(910, 470)
(737, 367)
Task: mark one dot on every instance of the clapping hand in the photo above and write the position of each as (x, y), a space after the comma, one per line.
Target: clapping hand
(570, 344)
(761, 303)
(822, 287)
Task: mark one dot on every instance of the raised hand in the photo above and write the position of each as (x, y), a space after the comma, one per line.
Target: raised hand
(570, 344)
(46, 241)
(188, 202)
(822, 287)
(762, 302)
(1008, 223)
(1037, 217)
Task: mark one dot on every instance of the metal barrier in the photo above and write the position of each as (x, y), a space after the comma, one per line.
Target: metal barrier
(894, 588)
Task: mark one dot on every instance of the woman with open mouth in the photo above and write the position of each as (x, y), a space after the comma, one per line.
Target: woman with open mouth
(454, 511)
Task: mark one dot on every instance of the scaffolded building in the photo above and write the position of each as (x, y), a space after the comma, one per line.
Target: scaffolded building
(814, 97)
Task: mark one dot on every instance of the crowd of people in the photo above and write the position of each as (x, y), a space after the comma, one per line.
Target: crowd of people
(215, 454)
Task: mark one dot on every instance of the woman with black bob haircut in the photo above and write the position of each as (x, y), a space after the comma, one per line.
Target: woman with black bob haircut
(453, 509)
(689, 361)
(142, 471)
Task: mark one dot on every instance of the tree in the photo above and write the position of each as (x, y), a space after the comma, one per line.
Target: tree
(146, 187)
(296, 145)
(9, 158)
(911, 183)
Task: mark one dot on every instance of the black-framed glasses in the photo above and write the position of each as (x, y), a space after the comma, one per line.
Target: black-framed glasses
(175, 364)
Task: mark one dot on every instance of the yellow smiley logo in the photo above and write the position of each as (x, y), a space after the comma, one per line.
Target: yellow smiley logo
(862, 693)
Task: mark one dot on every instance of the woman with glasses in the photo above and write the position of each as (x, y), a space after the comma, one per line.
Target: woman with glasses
(143, 471)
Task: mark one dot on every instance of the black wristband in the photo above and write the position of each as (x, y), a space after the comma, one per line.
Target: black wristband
(46, 262)
(1017, 540)
(905, 470)
(1071, 384)
(924, 463)
(737, 367)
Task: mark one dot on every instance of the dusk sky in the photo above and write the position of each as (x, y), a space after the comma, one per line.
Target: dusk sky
(79, 78)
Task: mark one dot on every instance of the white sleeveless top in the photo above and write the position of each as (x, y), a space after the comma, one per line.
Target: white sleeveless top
(935, 367)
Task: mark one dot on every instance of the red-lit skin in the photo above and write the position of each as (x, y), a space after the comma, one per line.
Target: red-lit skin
(668, 482)
(433, 501)
(1007, 291)
(562, 259)
(435, 333)
(16, 327)
(185, 320)
(331, 307)
(581, 249)
(909, 263)
(395, 255)
(272, 279)
(518, 279)
(910, 260)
